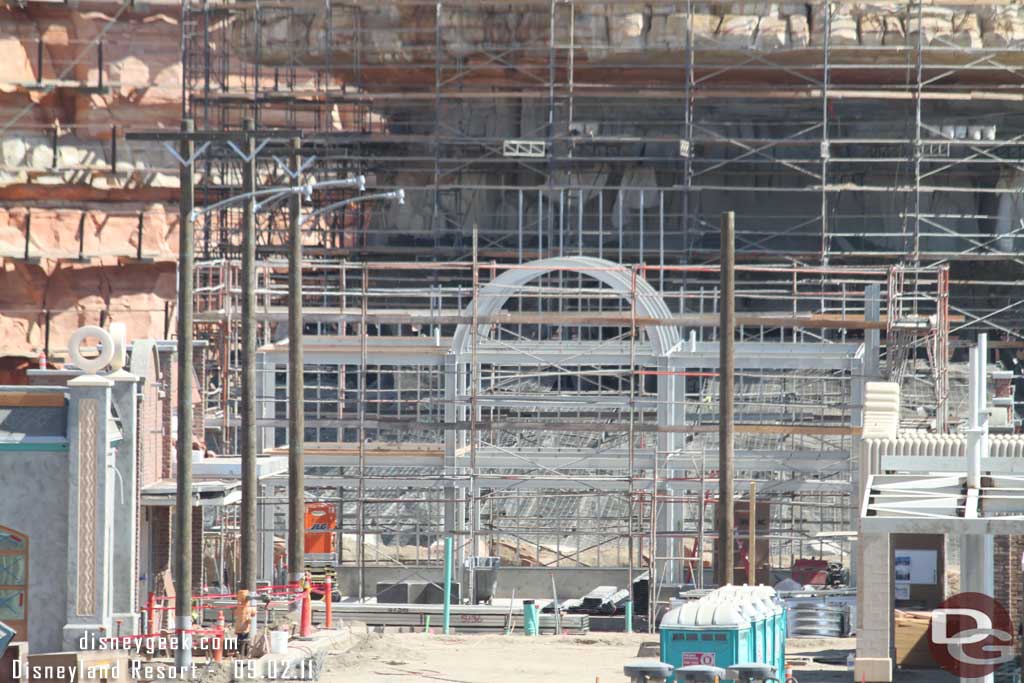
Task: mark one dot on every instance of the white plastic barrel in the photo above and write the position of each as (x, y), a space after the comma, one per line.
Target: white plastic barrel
(278, 642)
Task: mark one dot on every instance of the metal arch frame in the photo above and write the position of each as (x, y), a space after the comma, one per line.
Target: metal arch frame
(624, 281)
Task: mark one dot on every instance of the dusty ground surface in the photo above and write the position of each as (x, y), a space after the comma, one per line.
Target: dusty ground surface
(823, 660)
(594, 658)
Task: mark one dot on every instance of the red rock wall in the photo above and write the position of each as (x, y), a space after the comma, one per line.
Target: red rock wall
(142, 68)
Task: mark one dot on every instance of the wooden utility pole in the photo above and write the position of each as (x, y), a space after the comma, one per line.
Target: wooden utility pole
(296, 382)
(250, 489)
(726, 379)
(182, 568)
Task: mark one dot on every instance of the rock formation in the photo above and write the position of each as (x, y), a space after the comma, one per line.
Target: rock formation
(81, 209)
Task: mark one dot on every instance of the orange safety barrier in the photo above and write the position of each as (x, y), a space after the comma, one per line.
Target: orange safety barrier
(306, 622)
(328, 603)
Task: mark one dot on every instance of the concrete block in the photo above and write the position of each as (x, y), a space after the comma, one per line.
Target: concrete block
(873, 670)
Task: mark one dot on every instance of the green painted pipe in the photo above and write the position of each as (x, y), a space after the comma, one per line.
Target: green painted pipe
(629, 616)
(447, 584)
(529, 617)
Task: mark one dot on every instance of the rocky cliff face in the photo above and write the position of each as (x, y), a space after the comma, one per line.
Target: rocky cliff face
(602, 34)
(73, 191)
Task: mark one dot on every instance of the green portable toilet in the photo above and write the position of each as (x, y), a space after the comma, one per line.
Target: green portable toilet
(711, 632)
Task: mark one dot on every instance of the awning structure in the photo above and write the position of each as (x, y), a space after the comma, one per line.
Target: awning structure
(217, 481)
(210, 492)
(943, 504)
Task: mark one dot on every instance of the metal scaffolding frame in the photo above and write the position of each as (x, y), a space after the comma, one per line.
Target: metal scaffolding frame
(537, 142)
(392, 435)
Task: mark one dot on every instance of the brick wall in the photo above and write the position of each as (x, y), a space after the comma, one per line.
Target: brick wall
(160, 522)
(163, 548)
(167, 378)
(197, 548)
(198, 408)
(151, 429)
(1008, 550)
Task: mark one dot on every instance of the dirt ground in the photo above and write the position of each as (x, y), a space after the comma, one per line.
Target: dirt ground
(594, 658)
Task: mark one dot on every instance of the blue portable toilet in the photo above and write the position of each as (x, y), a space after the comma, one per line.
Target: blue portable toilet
(765, 625)
(710, 631)
(754, 611)
(776, 625)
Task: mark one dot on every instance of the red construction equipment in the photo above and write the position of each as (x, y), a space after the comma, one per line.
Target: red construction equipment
(810, 572)
(320, 523)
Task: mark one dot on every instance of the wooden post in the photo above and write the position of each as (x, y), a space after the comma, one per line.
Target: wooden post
(296, 383)
(726, 375)
(250, 485)
(183, 477)
(752, 537)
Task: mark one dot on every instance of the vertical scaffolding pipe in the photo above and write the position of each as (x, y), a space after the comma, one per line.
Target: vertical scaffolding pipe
(918, 129)
(752, 537)
(982, 398)
(698, 574)
(631, 435)
(296, 382)
(361, 411)
(474, 407)
(824, 150)
(39, 60)
(727, 373)
(977, 432)
(248, 408)
(28, 231)
(183, 499)
(973, 431)
(447, 584)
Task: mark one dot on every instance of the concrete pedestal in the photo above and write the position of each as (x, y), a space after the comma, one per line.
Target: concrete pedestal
(873, 669)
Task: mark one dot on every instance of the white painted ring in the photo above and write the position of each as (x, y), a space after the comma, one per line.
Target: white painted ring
(119, 334)
(96, 364)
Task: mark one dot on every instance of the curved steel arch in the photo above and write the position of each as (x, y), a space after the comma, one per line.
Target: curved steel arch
(649, 304)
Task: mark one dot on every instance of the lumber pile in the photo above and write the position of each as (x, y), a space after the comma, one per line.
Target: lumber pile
(911, 638)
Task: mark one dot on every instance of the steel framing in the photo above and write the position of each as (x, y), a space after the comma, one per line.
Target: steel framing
(827, 138)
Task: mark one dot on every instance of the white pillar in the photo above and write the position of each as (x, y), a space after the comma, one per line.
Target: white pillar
(875, 610)
(977, 552)
(90, 503)
(125, 395)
